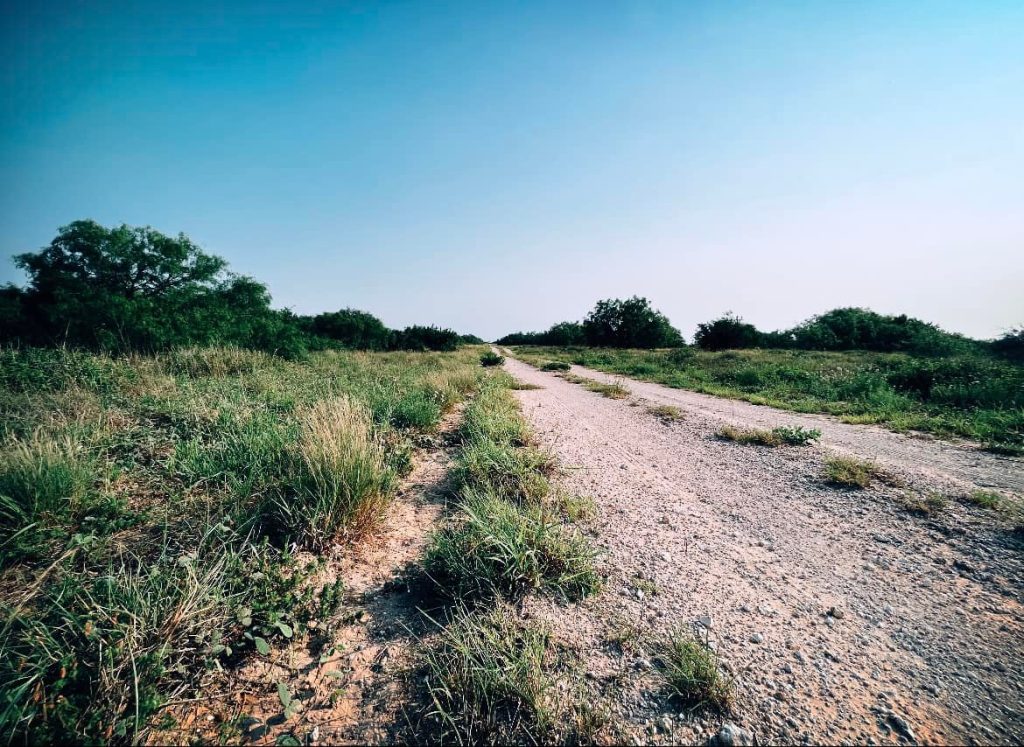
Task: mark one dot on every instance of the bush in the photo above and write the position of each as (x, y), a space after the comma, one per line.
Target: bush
(351, 328)
(1010, 345)
(849, 472)
(424, 338)
(729, 332)
(555, 366)
(489, 359)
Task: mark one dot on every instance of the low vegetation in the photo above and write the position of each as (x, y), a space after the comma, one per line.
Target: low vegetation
(152, 507)
(850, 472)
(490, 358)
(928, 504)
(666, 412)
(984, 499)
(691, 670)
(781, 436)
(555, 366)
(614, 390)
(973, 395)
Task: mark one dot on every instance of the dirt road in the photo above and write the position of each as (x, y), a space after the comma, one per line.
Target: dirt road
(842, 616)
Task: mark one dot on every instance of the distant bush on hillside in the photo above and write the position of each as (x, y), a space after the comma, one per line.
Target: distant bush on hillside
(1010, 345)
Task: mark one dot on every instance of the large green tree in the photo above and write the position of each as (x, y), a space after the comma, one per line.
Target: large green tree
(630, 323)
(129, 288)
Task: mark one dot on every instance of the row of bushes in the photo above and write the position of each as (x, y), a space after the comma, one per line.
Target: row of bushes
(136, 289)
(634, 324)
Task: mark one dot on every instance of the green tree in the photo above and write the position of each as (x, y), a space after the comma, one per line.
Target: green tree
(630, 323)
(728, 332)
(352, 328)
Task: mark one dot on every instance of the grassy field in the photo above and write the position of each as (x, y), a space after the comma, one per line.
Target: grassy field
(971, 396)
(161, 517)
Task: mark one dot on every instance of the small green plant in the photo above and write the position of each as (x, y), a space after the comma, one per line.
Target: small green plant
(783, 435)
(555, 366)
(691, 670)
(666, 412)
(984, 499)
(612, 391)
(796, 435)
(490, 358)
(849, 472)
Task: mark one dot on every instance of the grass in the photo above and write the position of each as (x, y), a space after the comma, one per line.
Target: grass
(781, 436)
(984, 499)
(487, 680)
(690, 669)
(555, 366)
(929, 504)
(149, 505)
(976, 397)
(849, 472)
(666, 412)
(490, 359)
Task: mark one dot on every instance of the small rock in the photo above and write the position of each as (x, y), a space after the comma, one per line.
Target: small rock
(665, 556)
(731, 735)
(835, 612)
(643, 664)
(665, 724)
(900, 725)
(756, 638)
(706, 622)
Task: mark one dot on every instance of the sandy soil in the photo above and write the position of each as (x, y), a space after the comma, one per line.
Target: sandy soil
(841, 616)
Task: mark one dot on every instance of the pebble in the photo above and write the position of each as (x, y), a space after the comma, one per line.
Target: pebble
(706, 622)
(756, 638)
(731, 735)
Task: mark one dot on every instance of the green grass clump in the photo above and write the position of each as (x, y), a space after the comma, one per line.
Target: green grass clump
(487, 680)
(612, 391)
(849, 472)
(555, 366)
(666, 412)
(339, 480)
(691, 670)
(45, 484)
(984, 499)
(783, 435)
(491, 358)
(499, 548)
(923, 505)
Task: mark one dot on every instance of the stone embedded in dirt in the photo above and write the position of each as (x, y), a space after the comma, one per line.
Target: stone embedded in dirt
(835, 612)
(731, 735)
(706, 622)
(756, 638)
(900, 725)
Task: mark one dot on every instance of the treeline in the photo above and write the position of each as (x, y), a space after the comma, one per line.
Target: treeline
(634, 324)
(135, 289)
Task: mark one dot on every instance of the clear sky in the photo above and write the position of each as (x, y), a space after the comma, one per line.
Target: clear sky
(499, 166)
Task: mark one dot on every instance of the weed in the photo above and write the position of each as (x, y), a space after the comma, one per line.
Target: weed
(691, 670)
(490, 358)
(849, 472)
(555, 366)
(501, 548)
(923, 505)
(486, 679)
(524, 386)
(666, 412)
(783, 435)
(612, 391)
(984, 499)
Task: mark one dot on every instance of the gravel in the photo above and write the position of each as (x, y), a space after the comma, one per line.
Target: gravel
(858, 607)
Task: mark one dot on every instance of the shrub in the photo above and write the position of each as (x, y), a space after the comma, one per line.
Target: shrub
(486, 679)
(491, 359)
(796, 435)
(503, 548)
(1011, 345)
(630, 323)
(424, 338)
(984, 499)
(339, 480)
(690, 669)
(729, 332)
(666, 412)
(555, 366)
(351, 328)
(612, 391)
(923, 505)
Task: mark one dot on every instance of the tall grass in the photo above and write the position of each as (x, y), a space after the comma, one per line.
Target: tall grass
(137, 496)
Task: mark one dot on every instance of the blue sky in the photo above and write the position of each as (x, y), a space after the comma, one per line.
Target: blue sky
(500, 166)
